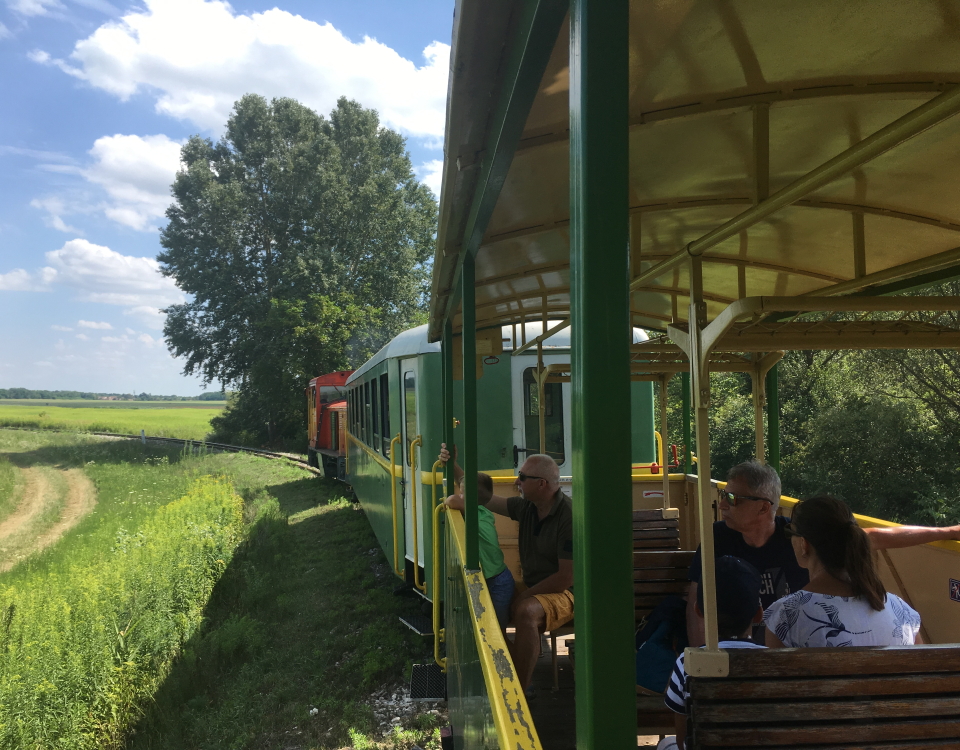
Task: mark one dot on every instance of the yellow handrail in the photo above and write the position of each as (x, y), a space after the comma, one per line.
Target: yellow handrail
(393, 499)
(437, 632)
(414, 481)
(433, 486)
(662, 458)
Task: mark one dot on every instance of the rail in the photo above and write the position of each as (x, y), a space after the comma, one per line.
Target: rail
(438, 634)
(414, 481)
(393, 501)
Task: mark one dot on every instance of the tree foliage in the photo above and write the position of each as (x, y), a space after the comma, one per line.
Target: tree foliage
(303, 242)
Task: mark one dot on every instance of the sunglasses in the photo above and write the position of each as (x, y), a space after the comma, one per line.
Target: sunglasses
(524, 477)
(732, 499)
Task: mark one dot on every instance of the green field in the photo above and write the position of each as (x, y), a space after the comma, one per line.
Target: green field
(208, 601)
(157, 418)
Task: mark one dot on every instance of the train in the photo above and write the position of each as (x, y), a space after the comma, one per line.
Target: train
(327, 423)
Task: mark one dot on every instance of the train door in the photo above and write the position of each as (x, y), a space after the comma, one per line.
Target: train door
(410, 424)
(526, 412)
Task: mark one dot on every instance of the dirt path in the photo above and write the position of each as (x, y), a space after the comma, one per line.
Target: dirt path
(39, 495)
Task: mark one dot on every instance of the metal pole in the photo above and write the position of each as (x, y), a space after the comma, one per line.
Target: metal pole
(541, 389)
(664, 379)
(446, 363)
(773, 415)
(469, 334)
(599, 280)
(685, 407)
(757, 386)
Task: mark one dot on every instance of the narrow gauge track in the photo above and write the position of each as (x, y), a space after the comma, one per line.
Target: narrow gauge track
(218, 446)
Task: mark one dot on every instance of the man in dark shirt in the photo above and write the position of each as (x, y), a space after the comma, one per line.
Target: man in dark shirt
(545, 539)
(751, 530)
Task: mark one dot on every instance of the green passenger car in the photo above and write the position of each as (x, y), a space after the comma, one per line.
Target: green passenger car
(394, 429)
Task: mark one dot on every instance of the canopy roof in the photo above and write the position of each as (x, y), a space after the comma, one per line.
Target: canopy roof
(730, 103)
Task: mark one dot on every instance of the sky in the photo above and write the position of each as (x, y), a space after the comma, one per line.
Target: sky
(98, 96)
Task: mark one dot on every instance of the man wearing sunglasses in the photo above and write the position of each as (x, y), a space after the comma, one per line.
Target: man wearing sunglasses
(751, 530)
(545, 538)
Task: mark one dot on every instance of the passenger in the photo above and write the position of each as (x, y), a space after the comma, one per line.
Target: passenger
(545, 515)
(751, 530)
(844, 604)
(498, 576)
(738, 589)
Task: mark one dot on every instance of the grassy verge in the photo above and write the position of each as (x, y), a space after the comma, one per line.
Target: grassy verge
(186, 422)
(298, 632)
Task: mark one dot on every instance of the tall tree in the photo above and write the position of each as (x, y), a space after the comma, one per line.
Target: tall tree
(303, 242)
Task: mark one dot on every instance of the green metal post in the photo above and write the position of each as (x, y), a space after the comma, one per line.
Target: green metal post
(685, 406)
(599, 288)
(469, 334)
(773, 416)
(447, 369)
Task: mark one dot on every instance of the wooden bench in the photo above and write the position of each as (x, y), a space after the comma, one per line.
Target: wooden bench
(652, 531)
(892, 698)
(656, 575)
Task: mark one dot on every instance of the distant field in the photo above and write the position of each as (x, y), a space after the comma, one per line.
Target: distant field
(158, 418)
(83, 403)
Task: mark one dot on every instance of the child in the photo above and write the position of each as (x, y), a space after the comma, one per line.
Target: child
(499, 578)
(738, 609)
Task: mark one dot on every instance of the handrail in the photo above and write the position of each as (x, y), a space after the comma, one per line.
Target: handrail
(433, 485)
(659, 439)
(393, 498)
(438, 635)
(418, 440)
(511, 714)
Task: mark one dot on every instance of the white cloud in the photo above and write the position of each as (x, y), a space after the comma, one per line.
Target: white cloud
(19, 280)
(431, 173)
(197, 57)
(43, 364)
(94, 324)
(151, 317)
(136, 172)
(34, 7)
(61, 328)
(82, 337)
(56, 207)
(99, 274)
(4, 32)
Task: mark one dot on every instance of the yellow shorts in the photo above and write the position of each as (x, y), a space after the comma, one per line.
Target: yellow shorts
(558, 608)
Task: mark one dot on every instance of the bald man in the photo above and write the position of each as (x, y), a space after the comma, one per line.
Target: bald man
(545, 515)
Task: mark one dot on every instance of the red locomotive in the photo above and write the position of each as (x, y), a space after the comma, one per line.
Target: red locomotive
(327, 423)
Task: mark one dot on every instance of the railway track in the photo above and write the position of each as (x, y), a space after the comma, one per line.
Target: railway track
(291, 457)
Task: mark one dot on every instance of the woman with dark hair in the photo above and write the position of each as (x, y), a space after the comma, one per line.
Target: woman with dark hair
(845, 604)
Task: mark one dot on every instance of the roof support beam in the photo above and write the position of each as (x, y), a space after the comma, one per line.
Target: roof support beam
(935, 111)
(536, 34)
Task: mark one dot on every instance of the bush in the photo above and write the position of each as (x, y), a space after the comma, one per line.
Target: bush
(80, 653)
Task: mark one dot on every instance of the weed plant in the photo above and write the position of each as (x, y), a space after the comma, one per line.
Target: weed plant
(9, 487)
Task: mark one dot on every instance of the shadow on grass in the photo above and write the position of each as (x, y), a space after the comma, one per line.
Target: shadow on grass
(303, 618)
(75, 452)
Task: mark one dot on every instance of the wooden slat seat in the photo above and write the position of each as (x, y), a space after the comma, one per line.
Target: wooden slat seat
(897, 697)
(652, 531)
(657, 574)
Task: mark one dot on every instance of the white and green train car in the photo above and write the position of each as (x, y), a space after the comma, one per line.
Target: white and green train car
(394, 430)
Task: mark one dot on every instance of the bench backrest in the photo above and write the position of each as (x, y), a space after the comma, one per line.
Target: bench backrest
(657, 574)
(896, 697)
(652, 531)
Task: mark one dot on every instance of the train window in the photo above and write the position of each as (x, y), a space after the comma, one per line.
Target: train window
(410, 410)
(553, 415)
(366, 413)
(375, 413)
(385, 414)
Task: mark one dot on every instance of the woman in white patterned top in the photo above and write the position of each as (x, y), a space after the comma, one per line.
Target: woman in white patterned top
(845, 604)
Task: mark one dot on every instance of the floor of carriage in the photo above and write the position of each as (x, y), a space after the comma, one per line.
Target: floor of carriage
(554, 712)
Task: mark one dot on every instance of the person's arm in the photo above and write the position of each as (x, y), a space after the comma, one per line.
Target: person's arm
(695, 635)
(680, 729)
(445, 456)
(496, 503)
(910, 536)
(771, 640)
(454, 502)
(552, 584)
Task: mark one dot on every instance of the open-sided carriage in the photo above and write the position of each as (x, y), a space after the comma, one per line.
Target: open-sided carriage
(745, 177)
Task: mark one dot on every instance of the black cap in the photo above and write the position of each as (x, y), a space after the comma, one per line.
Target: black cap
(738, 589)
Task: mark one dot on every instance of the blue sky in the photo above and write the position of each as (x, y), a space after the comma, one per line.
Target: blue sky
(99, 94)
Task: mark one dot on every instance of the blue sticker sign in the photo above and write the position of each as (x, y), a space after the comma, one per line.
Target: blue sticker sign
(955, 590)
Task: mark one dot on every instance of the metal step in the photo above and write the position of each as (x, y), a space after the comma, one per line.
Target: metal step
(428, 683)
(418, 624)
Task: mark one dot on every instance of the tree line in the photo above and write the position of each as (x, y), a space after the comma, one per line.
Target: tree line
(27, 393)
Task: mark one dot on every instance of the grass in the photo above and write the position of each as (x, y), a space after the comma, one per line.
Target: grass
(301, 618)
(191, 423)
(8, 488)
